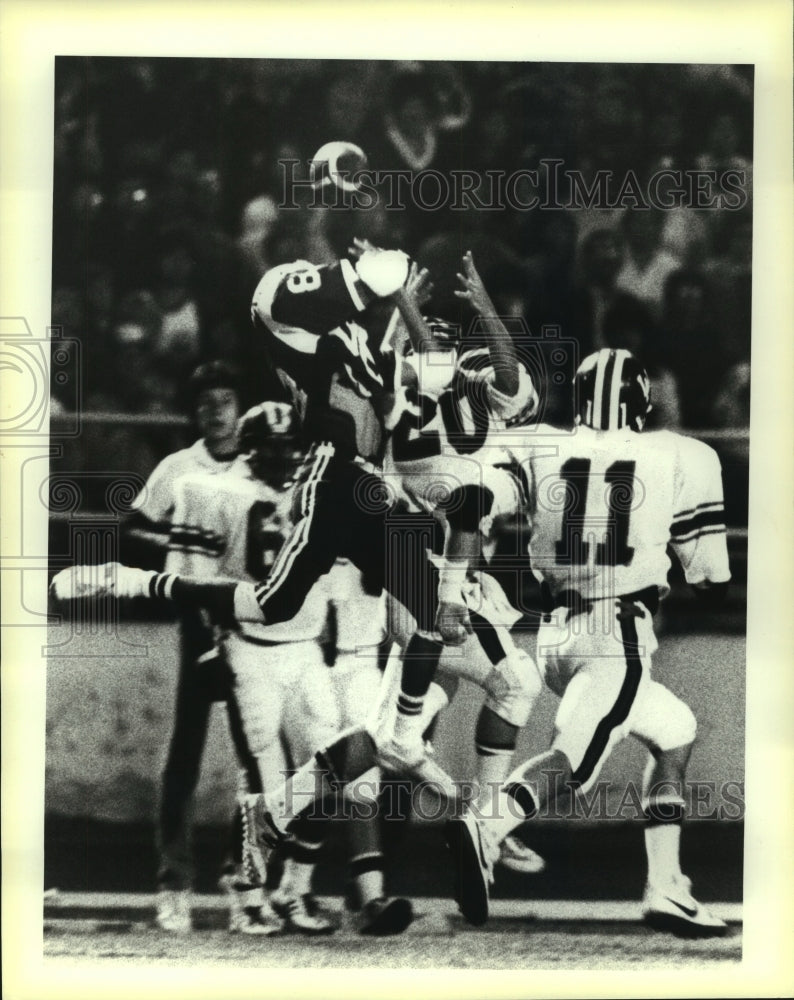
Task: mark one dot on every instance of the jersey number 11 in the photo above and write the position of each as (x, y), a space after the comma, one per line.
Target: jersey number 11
(614, 550)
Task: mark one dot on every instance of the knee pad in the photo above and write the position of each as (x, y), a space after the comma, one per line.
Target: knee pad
(680, 728)
(512, 687)
(667, 722)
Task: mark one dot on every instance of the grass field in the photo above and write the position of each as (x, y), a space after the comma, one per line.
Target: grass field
(116, 930)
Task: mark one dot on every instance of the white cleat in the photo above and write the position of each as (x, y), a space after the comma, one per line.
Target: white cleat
(300, 914)
(473, 857)
(173, 911)
(518, 857)
(249, 911)
(260, 837)
(673, 908)
(416, 761)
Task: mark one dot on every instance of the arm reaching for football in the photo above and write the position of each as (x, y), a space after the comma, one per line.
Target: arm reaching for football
(500, 343)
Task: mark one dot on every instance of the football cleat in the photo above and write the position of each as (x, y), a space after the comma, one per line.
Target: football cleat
(473, 857)
(300, 914)
(673, 908)
(416, 761)
(173, 911)
(381, 917)
(518, 857)
(249, 911)
(260, 836)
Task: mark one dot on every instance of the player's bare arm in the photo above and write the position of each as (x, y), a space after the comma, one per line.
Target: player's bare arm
(500, 343)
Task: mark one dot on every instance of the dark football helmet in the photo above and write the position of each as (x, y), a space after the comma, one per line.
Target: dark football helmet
(612, 390)
(268, 436)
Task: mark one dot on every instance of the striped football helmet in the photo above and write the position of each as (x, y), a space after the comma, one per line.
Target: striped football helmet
(268, 435)
(612, 391)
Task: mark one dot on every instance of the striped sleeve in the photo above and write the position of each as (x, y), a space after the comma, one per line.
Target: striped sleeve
(194, 548)
(698, 532)
(703, 519)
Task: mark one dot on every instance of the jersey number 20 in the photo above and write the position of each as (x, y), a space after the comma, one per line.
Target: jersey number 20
(614, 550)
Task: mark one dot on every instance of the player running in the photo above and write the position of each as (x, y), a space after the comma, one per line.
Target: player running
(605, 501)
(234, 526)
(447, 454)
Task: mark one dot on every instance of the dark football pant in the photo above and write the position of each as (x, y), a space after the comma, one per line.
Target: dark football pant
(199, 685)
(342, 510)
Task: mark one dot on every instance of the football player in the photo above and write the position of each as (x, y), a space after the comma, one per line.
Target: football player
(215, 401)
(605, 502)
(329, 331)
(233, 526)
(447, 455)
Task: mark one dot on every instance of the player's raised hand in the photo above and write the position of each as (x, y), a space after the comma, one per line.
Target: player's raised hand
(473, 289)
(418, 285)
(359, 247)
(453, 623)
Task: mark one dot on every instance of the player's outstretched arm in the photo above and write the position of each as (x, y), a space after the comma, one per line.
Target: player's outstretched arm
(219, 597)
(500, 343)
(409, 300)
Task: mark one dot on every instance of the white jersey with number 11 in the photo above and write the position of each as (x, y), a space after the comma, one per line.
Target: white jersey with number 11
(605, 505)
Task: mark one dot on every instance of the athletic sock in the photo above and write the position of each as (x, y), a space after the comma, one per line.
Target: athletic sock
(367, 873)
(662, 844)
(419, 666)
(495, 741)
(307, 785)
(297, 878)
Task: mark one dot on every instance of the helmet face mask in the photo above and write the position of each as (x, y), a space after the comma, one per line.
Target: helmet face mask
(268, 440)
(612, 391)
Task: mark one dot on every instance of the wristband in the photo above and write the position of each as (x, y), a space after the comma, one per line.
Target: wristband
(451, 581)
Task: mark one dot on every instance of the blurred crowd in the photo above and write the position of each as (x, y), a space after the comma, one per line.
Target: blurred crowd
(167, 187)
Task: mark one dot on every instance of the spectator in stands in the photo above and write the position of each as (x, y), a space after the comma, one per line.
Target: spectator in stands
(723, 149)
(730, 273)
(596, 291)
(260, 215)
(552, 271)
(647, 263)
(410, 129)
(179, 337)
(690, 343)
(630, 325)
(732, 405)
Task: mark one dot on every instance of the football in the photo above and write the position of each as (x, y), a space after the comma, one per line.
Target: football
(338, 163)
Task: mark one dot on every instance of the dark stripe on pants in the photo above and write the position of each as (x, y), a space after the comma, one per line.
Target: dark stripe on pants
(488, 638)
(619, 712)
